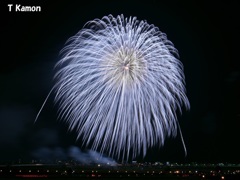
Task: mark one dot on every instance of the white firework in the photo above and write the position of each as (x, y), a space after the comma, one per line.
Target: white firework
(119, 86)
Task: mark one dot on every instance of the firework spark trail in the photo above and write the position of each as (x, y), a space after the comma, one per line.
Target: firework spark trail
(120, 84)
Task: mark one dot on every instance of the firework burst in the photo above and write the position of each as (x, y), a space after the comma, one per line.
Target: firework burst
(119, 84)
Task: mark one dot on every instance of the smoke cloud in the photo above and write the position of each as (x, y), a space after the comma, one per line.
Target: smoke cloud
(73, 152)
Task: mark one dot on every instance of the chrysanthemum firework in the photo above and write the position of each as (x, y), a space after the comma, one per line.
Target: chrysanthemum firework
(119, 86)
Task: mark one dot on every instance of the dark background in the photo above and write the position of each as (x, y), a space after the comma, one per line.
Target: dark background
(205, 34)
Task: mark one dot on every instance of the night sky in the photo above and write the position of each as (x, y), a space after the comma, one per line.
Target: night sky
(206, 36)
